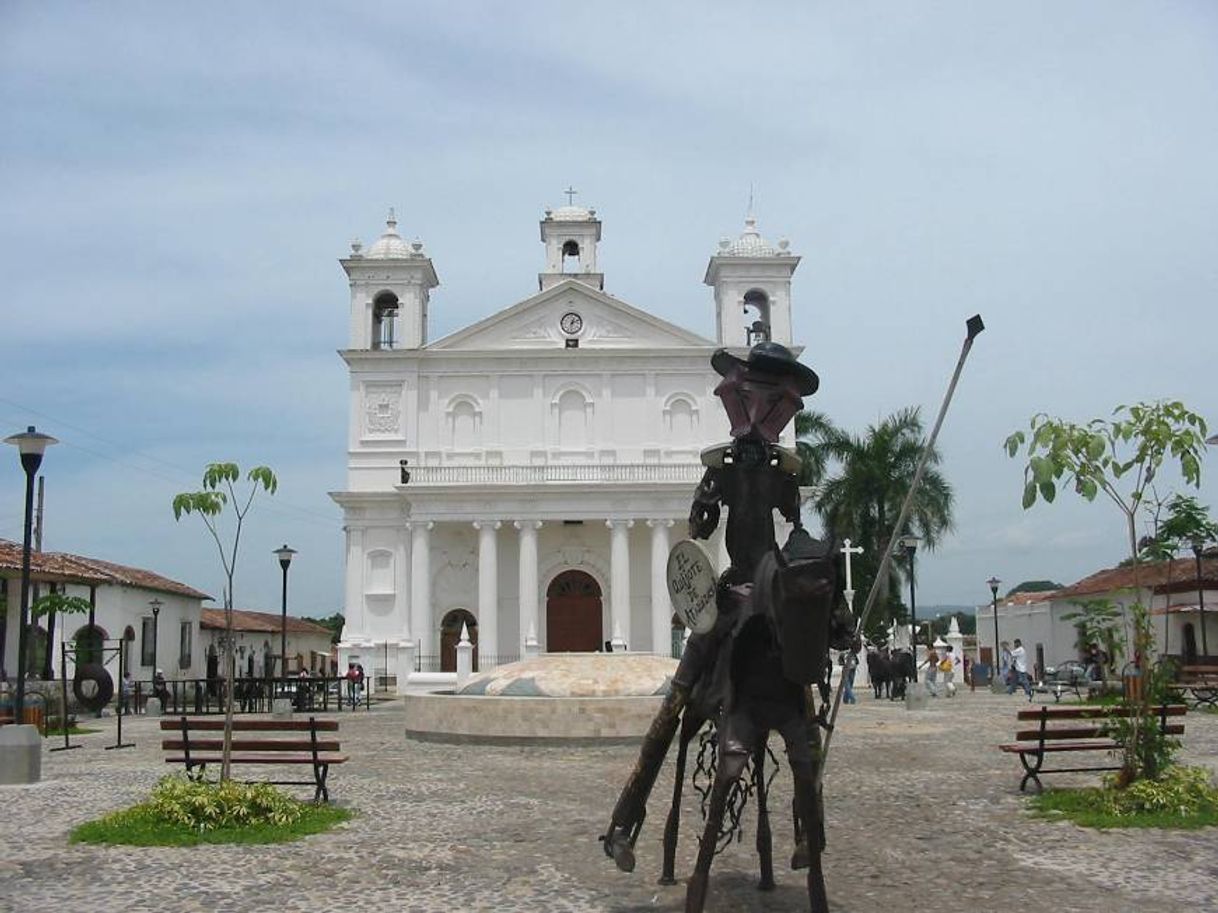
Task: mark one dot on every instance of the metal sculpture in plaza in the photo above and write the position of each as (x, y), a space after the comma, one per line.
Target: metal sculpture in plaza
(761, 631)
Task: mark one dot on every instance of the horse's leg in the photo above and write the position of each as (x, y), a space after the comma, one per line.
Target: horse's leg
(691, 724)
(733, 755)
(803, 753)
(765, 842)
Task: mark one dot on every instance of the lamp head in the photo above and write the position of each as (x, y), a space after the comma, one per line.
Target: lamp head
(285, 556)
(909, 543)
(32, 445)
(156, 607)
(993, 583)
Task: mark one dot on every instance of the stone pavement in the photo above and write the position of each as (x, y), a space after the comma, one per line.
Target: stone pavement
(924, 814)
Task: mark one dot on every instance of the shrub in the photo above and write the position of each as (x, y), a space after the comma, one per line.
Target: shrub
(204, 806)
(1180, 791)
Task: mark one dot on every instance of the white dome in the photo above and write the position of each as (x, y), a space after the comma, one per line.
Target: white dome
(572, 214)
(391, 246)
(751, 243)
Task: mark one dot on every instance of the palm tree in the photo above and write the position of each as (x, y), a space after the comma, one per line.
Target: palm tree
(862, 498)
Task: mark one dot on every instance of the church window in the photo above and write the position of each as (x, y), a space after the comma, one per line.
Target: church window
(384, 320)
(570, 257)
(757, 316)
(464, 422)
(681, 418)
(380, 572)
(572, 420)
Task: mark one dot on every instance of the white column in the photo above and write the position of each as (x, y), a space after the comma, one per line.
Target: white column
(661, 608)
(619, 579)
(528, 580)
(488, 589)
(420, 586)
(353, 626)
(401, 582)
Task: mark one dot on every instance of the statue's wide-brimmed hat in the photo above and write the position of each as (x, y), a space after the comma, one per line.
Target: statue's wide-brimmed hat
(772, 358)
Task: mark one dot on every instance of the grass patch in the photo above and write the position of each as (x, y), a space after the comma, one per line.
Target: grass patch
(1183, 798)
(184, 813)
(72, 730)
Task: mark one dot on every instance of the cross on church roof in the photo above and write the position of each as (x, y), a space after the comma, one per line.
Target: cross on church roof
(570, 192)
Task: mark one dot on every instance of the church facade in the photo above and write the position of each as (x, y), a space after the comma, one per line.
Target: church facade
(524, 477)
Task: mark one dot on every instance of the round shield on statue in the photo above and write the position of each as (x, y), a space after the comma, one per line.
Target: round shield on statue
(692, 583)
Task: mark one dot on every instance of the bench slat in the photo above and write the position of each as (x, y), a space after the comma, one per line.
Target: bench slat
(250, 745)
(210, 724)
(1081, 732)
(1090, 712)
(1088, 745)
(258, 759)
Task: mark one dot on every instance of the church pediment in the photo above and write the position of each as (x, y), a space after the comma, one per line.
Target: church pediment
(571, 310)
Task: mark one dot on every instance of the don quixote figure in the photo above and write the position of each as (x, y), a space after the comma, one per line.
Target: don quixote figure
(761, 631)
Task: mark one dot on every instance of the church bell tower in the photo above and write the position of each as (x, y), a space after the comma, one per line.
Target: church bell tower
(752, 282)
(390, 283)
(570, 234)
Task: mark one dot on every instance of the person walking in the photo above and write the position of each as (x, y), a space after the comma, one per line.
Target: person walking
(850, 662)
(947, 671)
(932, 671)
(1019, 665)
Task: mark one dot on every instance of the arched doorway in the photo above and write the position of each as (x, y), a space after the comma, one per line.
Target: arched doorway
(573, 614)
(450, 636)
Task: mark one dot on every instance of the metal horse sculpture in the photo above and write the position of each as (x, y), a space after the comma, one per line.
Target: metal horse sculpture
(753, 672)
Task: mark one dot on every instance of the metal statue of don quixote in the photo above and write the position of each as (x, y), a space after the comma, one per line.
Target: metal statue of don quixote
(757, 658)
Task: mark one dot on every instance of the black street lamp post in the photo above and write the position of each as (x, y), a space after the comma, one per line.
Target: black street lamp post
(1198, 548)
(285, 559)
(156, 628)
(993, 583)
(909, 545)
(31, 445)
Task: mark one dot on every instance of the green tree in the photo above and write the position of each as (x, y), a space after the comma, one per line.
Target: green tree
(1118, 457)
(335, 624)
(859, 482)
(1034, 586)
(221, 496)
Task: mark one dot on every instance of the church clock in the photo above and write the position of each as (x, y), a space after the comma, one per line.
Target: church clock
(571, 323)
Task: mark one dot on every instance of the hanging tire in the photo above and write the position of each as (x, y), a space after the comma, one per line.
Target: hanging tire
(93, 686)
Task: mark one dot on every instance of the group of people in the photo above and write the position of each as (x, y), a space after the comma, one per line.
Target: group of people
(1013, 667)
(942, 668)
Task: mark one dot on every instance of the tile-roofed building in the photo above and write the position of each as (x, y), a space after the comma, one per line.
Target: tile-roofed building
(1169, 588)
(123, 599)
(256, 641)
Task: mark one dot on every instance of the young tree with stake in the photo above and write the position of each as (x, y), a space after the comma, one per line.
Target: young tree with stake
(220, 491)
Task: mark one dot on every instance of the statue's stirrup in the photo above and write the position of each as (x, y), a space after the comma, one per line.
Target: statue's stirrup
(619, 847)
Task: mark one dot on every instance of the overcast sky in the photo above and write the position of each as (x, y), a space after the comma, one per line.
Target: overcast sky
(177, 182)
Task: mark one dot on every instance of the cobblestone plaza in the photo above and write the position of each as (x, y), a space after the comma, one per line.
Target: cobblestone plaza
(923, 813)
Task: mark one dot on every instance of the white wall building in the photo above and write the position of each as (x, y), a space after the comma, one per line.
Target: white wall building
(1169, 588)
(257, 642)
(123, 598)
(527, 474)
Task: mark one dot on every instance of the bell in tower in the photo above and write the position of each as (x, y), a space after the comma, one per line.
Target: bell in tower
(752, 282)
(570, 234)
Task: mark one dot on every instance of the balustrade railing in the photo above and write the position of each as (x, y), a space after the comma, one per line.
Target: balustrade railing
(555, 472)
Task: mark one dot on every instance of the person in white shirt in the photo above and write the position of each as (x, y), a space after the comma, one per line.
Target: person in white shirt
(947, 670)
(1019, 662)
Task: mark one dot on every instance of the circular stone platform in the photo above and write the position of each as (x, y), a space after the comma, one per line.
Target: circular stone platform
(557, 697)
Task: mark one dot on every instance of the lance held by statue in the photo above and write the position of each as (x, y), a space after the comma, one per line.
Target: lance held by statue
(760, 633)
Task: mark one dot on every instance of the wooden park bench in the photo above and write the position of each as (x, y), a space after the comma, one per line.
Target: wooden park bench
(1198, 685)
(199, 741)
(1083, 728)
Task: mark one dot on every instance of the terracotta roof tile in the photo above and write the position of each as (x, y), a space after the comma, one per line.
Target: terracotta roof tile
(1178, 575)
(61, 567)
(263, 622)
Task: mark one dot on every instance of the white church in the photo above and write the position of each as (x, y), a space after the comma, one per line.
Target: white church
(525, 476)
